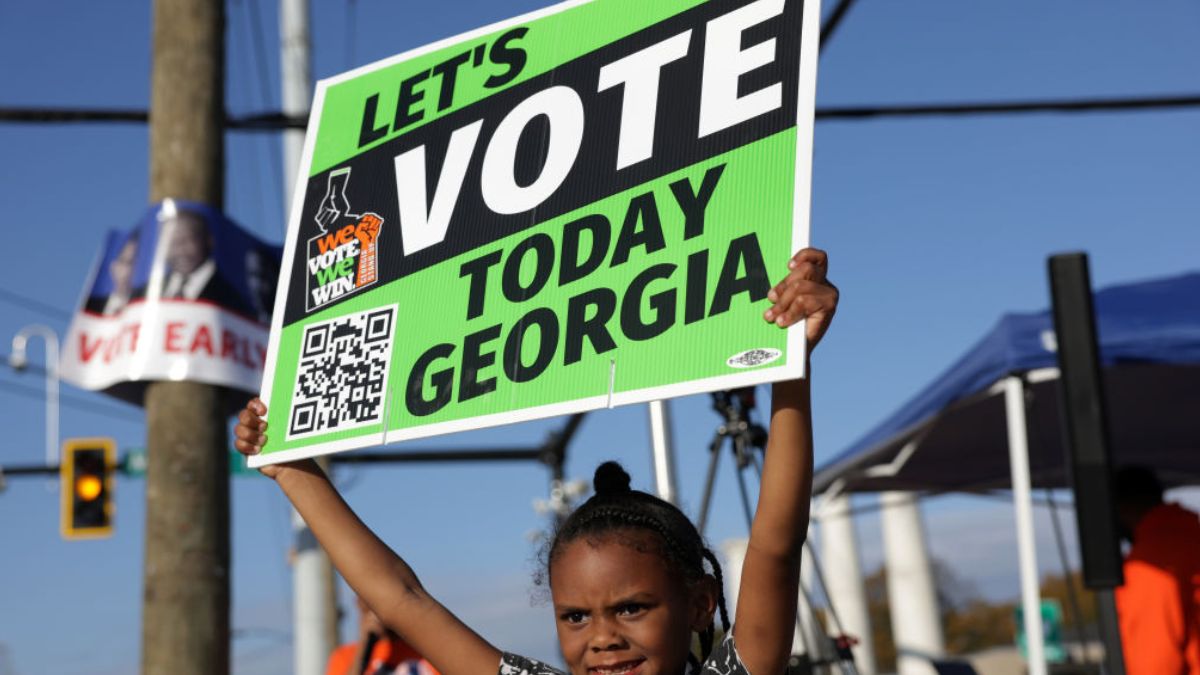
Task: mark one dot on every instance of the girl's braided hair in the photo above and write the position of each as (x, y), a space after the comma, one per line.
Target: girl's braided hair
(615, 507)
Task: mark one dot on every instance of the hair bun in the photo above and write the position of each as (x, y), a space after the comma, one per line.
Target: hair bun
(610, 478)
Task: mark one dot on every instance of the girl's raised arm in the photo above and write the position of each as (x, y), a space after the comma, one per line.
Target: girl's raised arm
(766, 607)
(380, 577)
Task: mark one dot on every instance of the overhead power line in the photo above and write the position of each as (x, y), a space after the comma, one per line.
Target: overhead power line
(69, 401)
(274, 121)
(41, 115)
(835, 19)
(960, 109)
(259, 122)
(32, 305)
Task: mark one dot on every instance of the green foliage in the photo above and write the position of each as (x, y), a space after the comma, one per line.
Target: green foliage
(1074, 619)
(970, 622)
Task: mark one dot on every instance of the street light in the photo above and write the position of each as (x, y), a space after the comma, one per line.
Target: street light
(18, 360)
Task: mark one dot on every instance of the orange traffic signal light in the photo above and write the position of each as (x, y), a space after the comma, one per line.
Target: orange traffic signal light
(86, 473)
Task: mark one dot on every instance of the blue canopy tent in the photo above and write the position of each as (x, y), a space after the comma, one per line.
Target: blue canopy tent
(953, 431)
(992, 420)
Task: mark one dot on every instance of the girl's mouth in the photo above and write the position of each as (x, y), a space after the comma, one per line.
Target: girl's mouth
(630, 667)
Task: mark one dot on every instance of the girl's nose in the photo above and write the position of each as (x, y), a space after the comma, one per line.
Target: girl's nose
(605, 636)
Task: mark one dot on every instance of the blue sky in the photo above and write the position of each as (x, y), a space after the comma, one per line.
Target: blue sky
(934, 226)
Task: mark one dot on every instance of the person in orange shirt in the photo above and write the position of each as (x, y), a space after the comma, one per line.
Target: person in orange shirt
(1159, 605)
(378, 651)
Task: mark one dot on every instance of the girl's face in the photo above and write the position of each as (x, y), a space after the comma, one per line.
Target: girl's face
(621, 611)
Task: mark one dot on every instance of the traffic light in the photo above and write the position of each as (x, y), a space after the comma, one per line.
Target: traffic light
(87, 487)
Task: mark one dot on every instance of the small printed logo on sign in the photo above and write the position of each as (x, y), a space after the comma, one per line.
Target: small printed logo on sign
(752, 358)
(341, 260)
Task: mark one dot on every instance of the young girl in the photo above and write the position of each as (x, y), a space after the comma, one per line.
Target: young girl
(626, 570)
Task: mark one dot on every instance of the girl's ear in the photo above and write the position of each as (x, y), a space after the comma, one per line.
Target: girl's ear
(704, 603)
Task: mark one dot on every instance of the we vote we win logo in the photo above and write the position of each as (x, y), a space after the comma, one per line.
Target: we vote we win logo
(343, 258)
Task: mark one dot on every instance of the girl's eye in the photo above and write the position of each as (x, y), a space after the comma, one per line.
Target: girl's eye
(630, 609)
(572, 617)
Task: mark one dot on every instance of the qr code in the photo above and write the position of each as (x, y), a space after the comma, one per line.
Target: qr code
(753, 357)
(341, 379)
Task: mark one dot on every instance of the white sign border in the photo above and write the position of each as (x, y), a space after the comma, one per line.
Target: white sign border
(792, 368)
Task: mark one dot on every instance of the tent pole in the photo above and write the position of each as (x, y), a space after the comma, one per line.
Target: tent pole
(1018, 454)
(662, 448)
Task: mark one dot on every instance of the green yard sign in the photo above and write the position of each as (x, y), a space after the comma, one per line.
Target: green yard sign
(577, 208)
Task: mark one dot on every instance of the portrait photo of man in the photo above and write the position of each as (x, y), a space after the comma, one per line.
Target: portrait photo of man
(191, 271)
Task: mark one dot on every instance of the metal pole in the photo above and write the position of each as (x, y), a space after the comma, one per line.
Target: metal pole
(18, 359)
(1018, 455)
(1110, 631)
(295, 67)
(710, 477)
(314, 591)
(311, 585)
(664, 459)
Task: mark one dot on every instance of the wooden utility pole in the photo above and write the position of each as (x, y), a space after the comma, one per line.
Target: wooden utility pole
(185, 604)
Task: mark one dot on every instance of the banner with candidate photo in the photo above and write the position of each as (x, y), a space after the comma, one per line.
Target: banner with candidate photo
(186, 294)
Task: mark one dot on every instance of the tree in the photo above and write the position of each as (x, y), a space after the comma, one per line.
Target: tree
(970, 622)
(1077, 621)
(881, 620)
